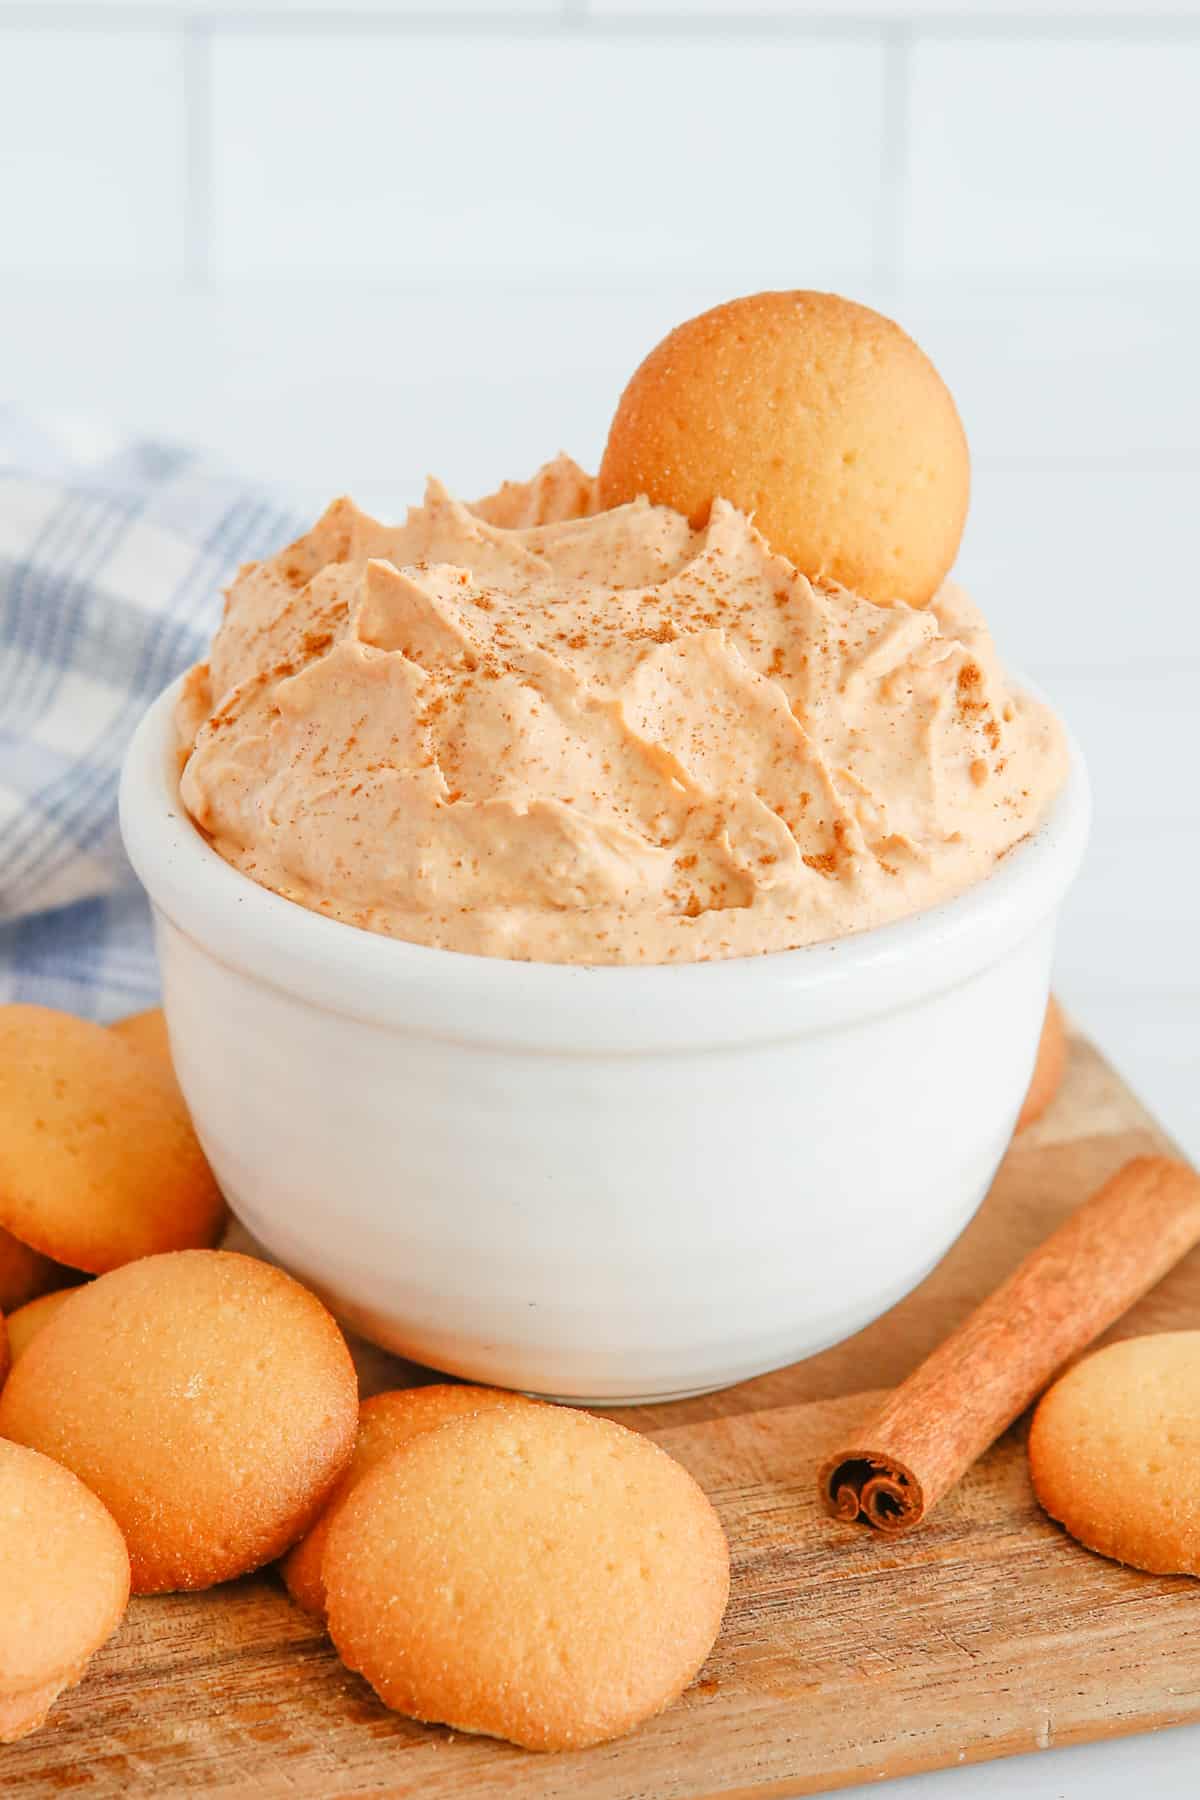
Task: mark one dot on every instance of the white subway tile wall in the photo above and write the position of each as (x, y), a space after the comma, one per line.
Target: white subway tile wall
(92, 152)
(340, 13)
(1063, 157)
(1027, 15)
(556, 138)
(425, 158)
(345, 244)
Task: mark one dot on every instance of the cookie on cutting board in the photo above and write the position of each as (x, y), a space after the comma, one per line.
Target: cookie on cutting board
(99, 1163)
(64, 1583)
(207, 1398)
(535, 1574)
(386, 1423)
(1114, 1452)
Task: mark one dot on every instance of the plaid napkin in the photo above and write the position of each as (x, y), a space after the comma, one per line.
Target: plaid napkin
(113, 553)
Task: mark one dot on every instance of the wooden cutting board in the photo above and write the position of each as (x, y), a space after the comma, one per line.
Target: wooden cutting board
(843, 1657)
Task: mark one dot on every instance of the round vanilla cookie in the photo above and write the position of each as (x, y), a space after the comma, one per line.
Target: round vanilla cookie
(535, 1574)
(64, 1584)
(99, 1163)
(822, 419)
(386, 1423)
(207, 1398)
(24, 1273)
(1049, 1068)
(28, 1320)
(1114, 1452)
(147, 1032)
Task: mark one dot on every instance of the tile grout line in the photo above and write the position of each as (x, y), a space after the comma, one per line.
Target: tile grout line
(894, 156)
(198, 152)
(570, 17)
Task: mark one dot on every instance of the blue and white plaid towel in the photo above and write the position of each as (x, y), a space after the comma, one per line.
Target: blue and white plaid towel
(113, 554)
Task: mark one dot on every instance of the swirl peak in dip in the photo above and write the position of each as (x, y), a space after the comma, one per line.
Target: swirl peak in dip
(529, 728)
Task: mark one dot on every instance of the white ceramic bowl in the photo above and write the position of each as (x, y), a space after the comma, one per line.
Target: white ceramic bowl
(605, 1184)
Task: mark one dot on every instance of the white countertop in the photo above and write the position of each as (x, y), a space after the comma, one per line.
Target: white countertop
(1163, 1764)
(1084, 414)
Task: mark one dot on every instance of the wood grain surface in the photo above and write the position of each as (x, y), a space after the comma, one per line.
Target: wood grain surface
(844, 1656)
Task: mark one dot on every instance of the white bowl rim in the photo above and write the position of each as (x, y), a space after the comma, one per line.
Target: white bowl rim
(572, 1007)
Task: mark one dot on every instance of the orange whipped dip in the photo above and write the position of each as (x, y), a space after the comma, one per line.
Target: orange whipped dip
(529, 728)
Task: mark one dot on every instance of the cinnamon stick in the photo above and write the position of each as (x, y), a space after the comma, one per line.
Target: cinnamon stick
(1109, 1253)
